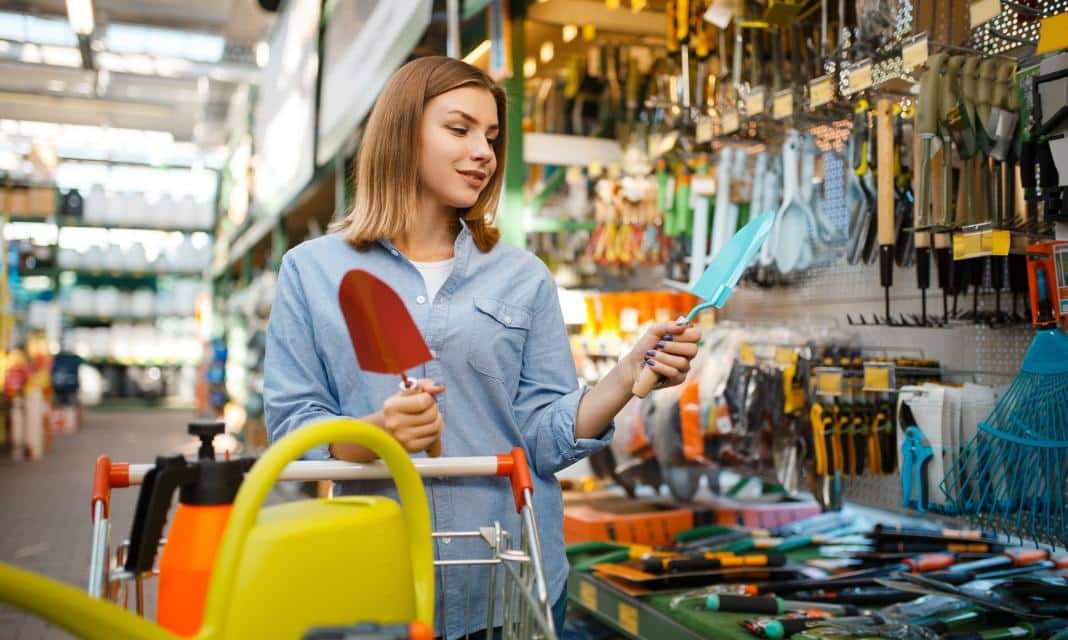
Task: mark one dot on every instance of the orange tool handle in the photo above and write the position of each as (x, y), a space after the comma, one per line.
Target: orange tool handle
(931, 562)
(1021, 557)
(514, 465)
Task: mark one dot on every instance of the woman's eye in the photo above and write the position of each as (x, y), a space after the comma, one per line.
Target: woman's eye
(458, 130)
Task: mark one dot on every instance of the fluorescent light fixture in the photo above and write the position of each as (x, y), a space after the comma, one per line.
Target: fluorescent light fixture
(570, 32)
(479, 51)
(80, 14)
(263, 54)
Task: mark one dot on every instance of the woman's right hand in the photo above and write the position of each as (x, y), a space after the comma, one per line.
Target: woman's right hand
(412, 417)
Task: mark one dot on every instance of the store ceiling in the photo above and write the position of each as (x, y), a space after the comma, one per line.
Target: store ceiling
(191, 106)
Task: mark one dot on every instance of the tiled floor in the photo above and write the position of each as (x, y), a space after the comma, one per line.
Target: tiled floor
(44, 505)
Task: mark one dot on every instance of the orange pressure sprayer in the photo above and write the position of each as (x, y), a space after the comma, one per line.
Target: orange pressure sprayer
(207, 491)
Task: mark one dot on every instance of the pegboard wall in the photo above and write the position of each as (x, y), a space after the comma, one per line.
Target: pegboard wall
(821, 299)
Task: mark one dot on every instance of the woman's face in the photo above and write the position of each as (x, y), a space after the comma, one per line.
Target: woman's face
(456, 156)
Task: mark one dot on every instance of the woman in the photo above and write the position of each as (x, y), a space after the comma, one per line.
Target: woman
(427, 184)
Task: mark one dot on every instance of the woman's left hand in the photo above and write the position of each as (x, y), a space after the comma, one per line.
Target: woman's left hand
(668, 348)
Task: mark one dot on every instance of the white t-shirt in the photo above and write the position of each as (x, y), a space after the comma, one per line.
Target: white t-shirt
(434, 275)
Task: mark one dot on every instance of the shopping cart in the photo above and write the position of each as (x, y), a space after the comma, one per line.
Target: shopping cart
(524, 606)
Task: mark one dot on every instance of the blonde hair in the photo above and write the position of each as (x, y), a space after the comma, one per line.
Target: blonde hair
(386, 177)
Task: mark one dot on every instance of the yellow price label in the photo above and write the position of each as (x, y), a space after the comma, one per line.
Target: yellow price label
(1053, 33)
(782, 105)
(588, 595)
(983, 11)
(859, 76)
(820, 92)
(1000, 242)
(829, 383)
(728, 122)
(877, 378)
(755, 101)
(746, 354)
(628, 618)
(784, 356)
(967, 245)
(914, 52)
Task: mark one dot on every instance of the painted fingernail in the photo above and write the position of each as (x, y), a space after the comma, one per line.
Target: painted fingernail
(650, 353)
(649, 362)
(660, 345)
(667, 338)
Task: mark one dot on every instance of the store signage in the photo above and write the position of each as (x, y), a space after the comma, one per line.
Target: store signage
(782, 106)
(914, 52)
(859, 76)
(820, 91)
(754, 103)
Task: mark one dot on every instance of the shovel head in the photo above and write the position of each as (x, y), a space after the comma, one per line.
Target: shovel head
(383, 334)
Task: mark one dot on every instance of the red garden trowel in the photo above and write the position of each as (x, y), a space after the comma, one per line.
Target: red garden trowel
(383, 334)
(717, 282)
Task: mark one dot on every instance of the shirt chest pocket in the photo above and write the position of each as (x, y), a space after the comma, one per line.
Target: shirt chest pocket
(498, 333)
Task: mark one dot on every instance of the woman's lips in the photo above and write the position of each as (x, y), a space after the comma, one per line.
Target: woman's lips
(473, 178)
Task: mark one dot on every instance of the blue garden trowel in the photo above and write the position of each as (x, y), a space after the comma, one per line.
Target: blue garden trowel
(717, 282)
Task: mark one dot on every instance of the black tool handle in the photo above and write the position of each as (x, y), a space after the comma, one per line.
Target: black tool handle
(923, 267)
(153, 503)
(749, 604)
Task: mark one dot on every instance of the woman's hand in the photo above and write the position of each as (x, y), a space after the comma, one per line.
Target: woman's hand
(412, 417)
(667, 348)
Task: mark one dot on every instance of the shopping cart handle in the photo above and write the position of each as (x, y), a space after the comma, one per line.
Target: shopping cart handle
(514, 465)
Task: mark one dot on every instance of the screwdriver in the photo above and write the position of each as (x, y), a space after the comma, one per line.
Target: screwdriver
(770, 605)
(923, 563)
(786, 627)
(654, 564)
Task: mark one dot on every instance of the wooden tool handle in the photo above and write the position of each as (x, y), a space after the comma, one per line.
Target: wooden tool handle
(885, 125)
(644, 383)
(434, 450)
(928, 100)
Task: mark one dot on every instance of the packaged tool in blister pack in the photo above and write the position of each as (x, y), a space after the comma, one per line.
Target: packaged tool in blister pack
(1047, 276)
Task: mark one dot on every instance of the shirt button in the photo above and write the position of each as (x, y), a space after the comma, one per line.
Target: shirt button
(507, 319)
(420, 300)
(394, 252)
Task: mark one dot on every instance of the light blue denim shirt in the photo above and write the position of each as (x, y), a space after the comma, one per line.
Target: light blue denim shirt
(500, 347)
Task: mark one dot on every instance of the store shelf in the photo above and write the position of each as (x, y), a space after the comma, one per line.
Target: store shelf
(133, 275)
(78, 223)
(136, 362)
(630, 616)
(80, 319)
(569, 151)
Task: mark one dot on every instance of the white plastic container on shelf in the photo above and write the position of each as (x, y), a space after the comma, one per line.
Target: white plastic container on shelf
(133, 206)
(70, 258)
(114, 212)
(136, 259)
(143, 303)
(93, 260)
(96, 204)
(114, 257)
(185, 216)
(205, 215)
(100, 342)
(165, 211)
(82, 301)
(106, 303)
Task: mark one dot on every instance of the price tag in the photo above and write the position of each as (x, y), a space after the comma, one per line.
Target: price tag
(820, 91)
(983, 11)
(746, 354)
(754, 103)
(728, 122)
(878, 376)
(859, 76)
(628, 618)
(999, 243)
(784, 356)
(829, 381)
(703, 185)
(588, 595)
(704, 130)
(782, 106)
(967, 245)
(914, 52)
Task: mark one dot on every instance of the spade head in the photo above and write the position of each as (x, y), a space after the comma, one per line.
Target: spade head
(723, 272)
(383, 333)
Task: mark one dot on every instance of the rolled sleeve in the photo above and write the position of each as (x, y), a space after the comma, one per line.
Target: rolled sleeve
(546, 404)
(296, 387)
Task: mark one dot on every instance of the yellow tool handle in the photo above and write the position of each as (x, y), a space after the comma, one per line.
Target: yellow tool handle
(262, 477)
(819, 441)
(682, 21)
(671, 37)
(884, 120)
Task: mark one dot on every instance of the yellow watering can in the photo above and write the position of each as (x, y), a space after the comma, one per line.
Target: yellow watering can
(287, 568)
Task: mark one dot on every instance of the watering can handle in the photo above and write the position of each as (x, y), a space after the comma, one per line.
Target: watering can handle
(267, 470)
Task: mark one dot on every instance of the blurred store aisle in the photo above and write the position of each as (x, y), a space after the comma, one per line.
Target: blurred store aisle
(45, 504)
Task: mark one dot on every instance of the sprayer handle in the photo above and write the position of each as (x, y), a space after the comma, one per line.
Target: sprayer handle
(150, 516)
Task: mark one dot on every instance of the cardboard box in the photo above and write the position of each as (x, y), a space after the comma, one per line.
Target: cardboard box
(759, 515)
(18, 201)
(41, 201)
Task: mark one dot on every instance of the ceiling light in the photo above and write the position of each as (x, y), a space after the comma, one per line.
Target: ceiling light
(476, 53)
(530, 67)
(545, 53)
(263, 54)
(80, 14)
(570, 32)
